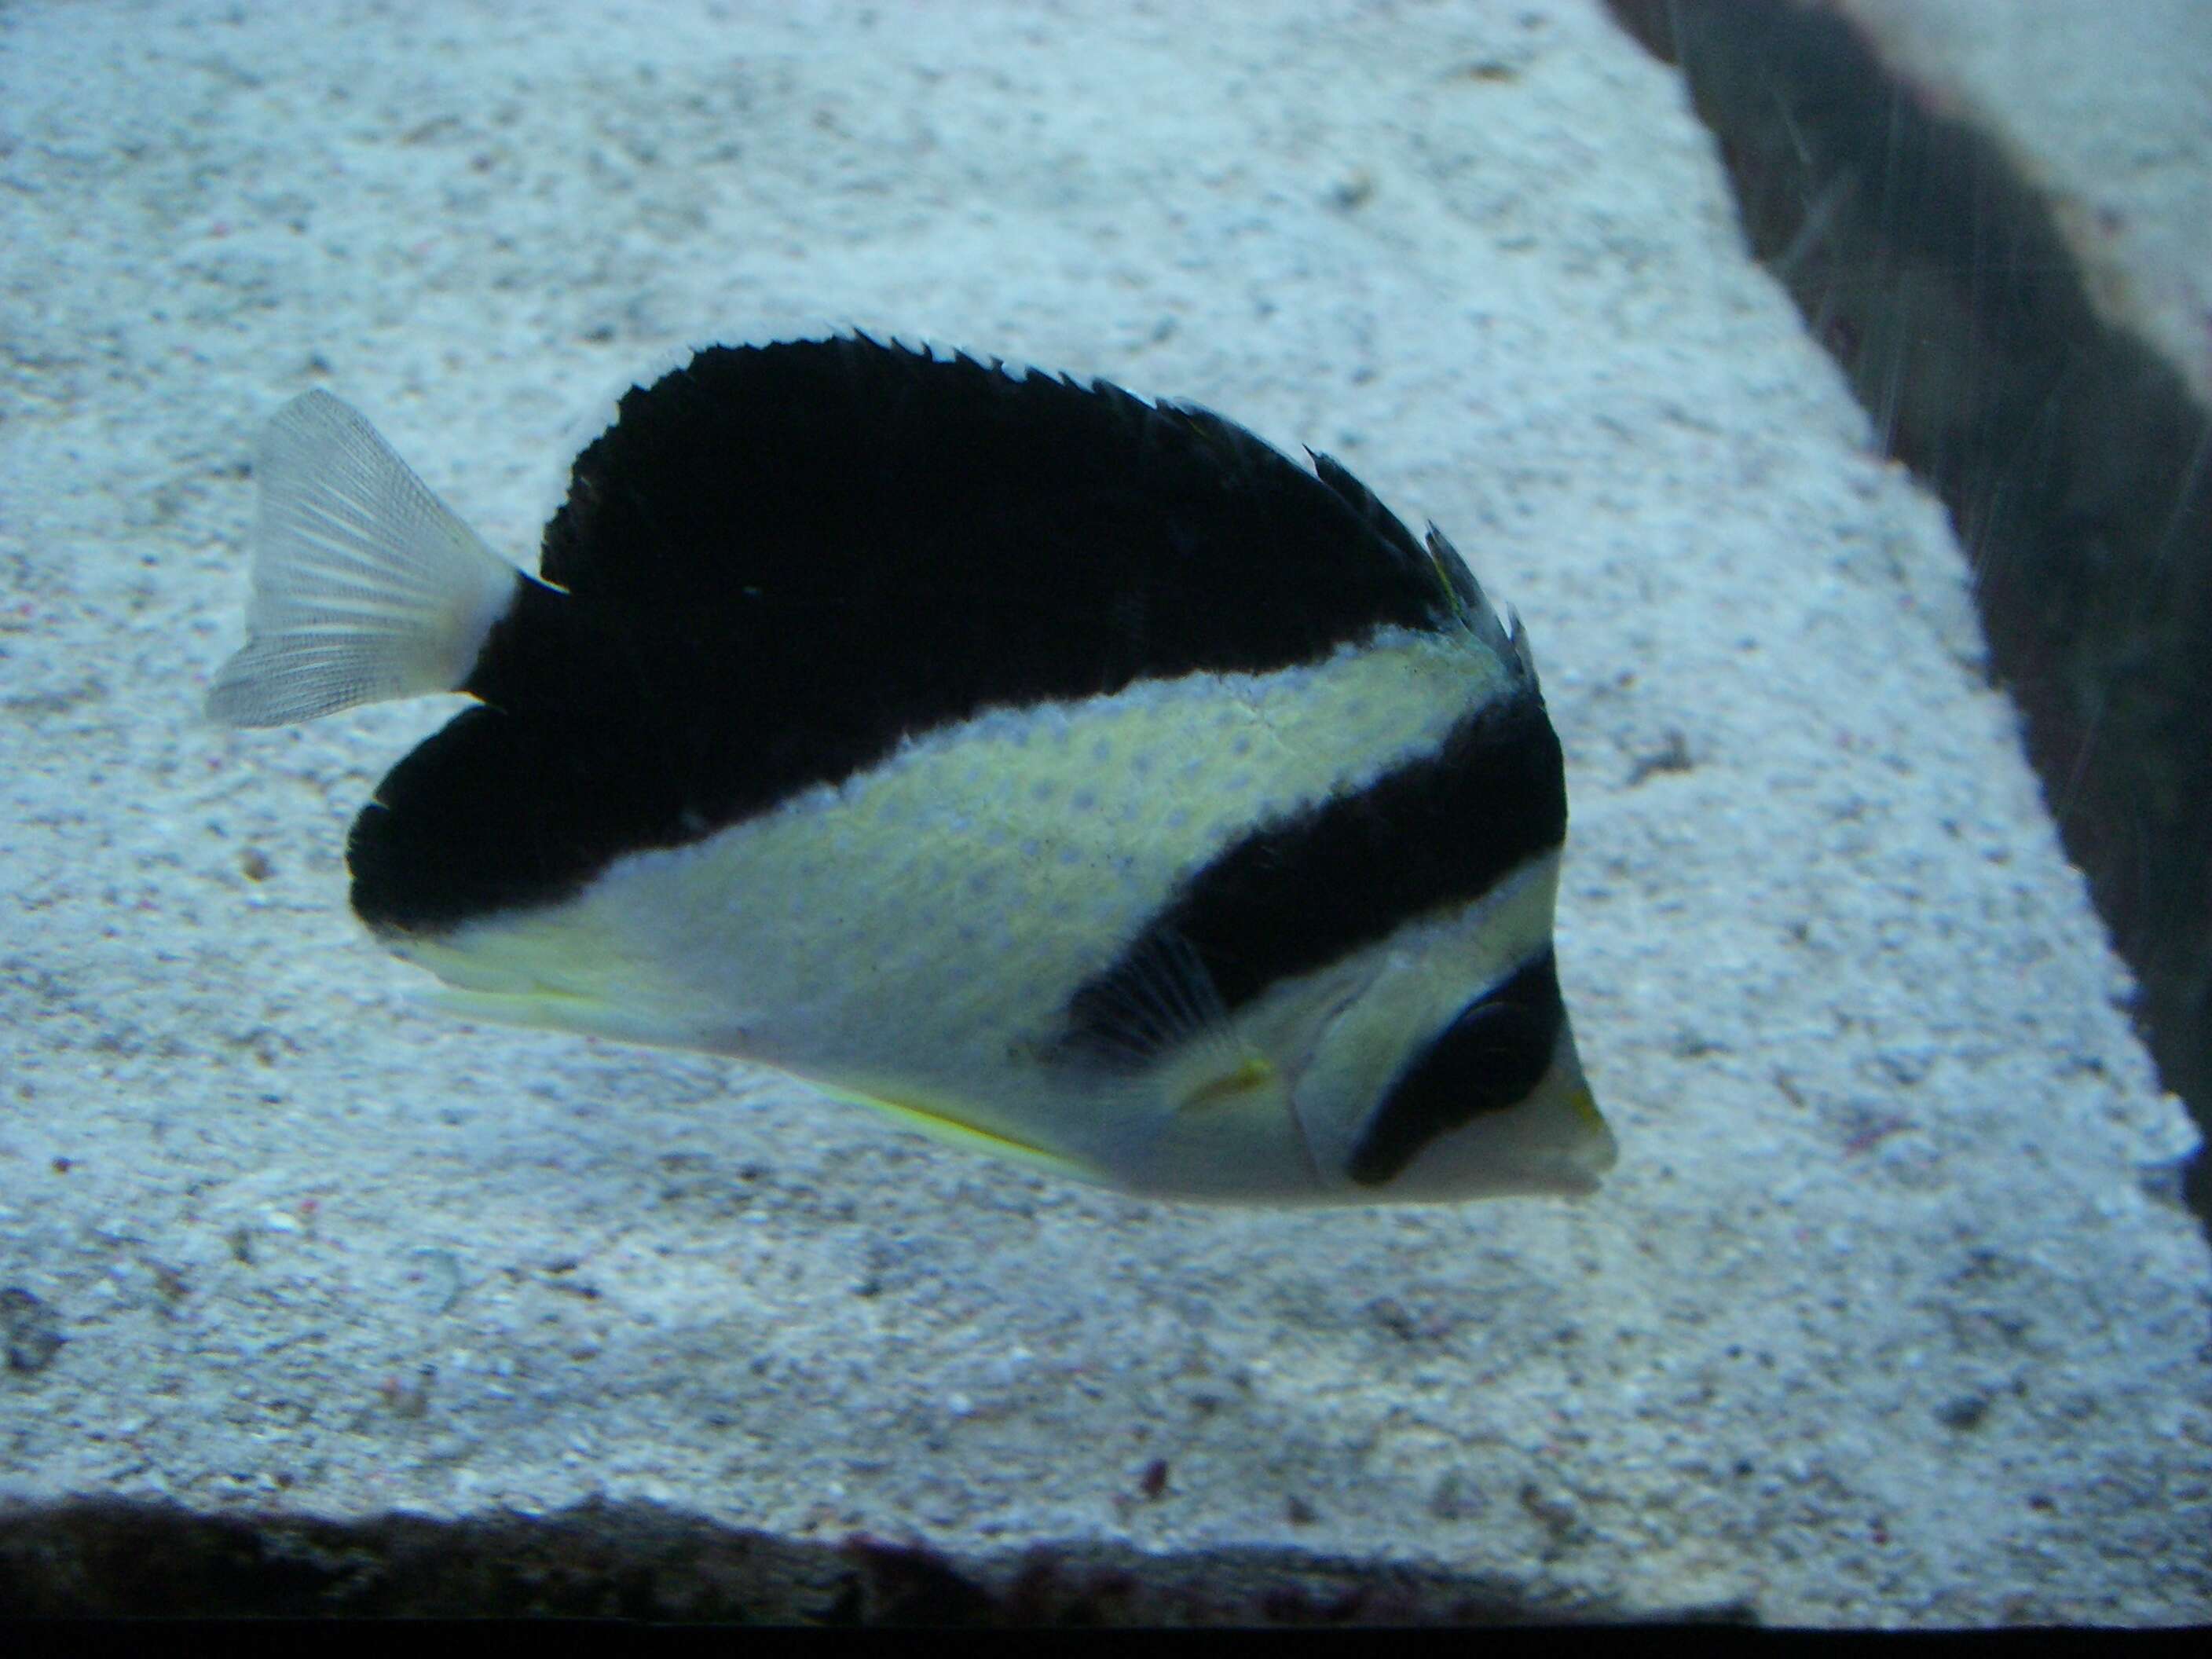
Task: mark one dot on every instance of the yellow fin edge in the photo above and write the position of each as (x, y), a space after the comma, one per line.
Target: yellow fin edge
(952, 1131)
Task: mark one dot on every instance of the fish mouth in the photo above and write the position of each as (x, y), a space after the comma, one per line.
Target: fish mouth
(1576, 1164)
(1598, 1150)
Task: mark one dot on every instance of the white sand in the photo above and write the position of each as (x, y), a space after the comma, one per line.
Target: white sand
(1881, 1318)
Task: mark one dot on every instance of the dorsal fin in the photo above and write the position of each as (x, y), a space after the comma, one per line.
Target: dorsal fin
(879, 479)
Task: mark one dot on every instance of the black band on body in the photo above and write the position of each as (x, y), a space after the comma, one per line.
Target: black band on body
(1295, 895)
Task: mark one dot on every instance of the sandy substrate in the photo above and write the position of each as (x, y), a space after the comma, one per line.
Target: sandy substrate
(1887, 1314)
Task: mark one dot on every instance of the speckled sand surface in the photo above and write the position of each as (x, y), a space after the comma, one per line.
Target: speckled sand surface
(1884, 1316)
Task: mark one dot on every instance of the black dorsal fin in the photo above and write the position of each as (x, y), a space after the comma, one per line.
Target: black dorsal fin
(944, 496)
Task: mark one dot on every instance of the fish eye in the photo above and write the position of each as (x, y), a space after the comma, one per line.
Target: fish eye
(1489, 1058)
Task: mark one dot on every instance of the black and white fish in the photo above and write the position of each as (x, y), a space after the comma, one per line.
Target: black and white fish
(1070, 776)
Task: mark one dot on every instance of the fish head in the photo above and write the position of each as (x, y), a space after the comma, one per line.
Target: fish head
(1452, 1072)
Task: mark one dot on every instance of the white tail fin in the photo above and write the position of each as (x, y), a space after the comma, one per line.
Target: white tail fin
(366, 587)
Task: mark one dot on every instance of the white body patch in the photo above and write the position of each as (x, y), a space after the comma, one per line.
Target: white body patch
(914, 934)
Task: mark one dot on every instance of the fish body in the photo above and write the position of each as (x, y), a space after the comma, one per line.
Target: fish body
(1069, 776)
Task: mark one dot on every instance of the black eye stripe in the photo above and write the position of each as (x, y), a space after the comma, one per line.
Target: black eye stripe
(1487, 1059)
